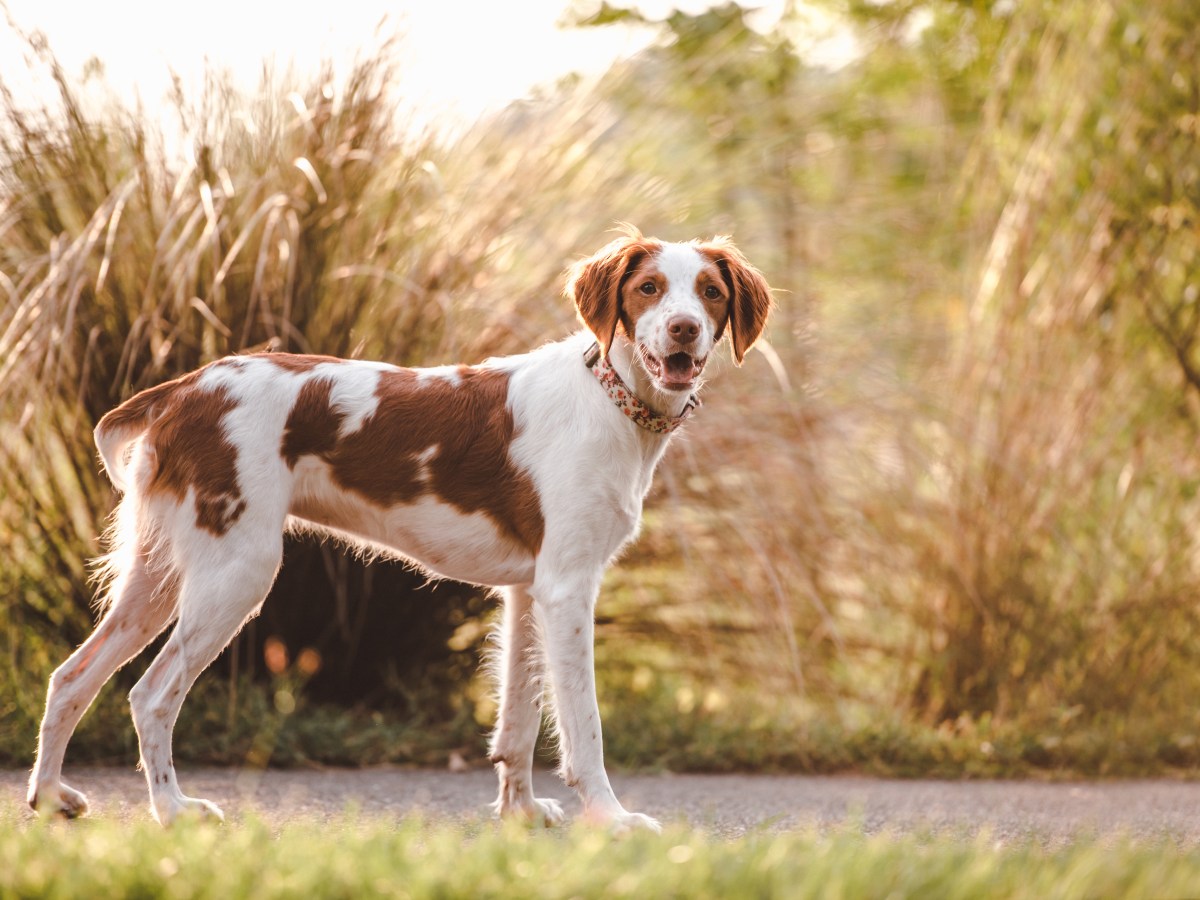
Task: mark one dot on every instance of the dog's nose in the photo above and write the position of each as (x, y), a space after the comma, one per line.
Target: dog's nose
(683, 329)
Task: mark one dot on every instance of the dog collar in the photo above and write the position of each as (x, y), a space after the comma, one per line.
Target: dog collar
(628, 402)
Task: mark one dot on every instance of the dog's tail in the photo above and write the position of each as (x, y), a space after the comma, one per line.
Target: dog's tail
(120, 428)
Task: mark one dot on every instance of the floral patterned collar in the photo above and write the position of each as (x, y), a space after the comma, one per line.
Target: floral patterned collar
(627, 401)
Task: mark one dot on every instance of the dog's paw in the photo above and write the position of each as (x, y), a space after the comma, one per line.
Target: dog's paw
(58, 800)
(620, 822)
(547, 812)
(536, 812)
(171, 809)
(626, 822)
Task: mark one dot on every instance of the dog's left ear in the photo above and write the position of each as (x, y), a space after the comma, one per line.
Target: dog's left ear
(594, 284)
(750, 296)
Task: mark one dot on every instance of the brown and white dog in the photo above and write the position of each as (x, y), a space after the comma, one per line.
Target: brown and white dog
(526, 473)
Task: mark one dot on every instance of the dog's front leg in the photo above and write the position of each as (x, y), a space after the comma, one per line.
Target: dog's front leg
(519, 671)
(565, 612)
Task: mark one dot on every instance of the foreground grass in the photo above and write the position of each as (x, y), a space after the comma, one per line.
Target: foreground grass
(352, 858)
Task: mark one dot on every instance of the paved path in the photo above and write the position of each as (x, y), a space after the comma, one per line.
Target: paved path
(724, 804)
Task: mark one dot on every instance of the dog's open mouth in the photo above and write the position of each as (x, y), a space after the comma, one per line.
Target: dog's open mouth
(677, 372)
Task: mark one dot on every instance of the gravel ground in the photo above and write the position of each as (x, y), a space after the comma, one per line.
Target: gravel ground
(726, 805)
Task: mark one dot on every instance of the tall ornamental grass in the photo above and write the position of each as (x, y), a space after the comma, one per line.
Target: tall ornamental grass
(944, 515)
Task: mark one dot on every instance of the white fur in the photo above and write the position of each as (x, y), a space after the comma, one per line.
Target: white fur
(590, 466)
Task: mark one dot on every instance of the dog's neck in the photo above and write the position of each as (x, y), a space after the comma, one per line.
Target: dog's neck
(623, 357)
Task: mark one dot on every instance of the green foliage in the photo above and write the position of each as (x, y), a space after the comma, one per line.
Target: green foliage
(353, 857)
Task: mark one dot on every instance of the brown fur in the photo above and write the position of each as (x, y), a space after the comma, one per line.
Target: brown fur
(298, 363)
(139, 409)
(191, 451)
(634, 303)
(183, 426)
(312, 425)
(751, 295)
(718, 308)
(597, 284)
(470, 425)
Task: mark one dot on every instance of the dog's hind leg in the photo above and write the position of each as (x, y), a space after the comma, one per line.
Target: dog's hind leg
(519, 671)
(141, 604)
(220, 588)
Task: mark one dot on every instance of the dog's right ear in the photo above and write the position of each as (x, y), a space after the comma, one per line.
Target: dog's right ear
(594, 284)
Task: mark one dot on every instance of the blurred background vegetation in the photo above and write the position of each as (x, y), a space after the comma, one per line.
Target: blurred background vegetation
(944, 522)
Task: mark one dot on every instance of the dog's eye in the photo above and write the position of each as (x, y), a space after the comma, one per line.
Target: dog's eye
(712, 293)
(648, 288)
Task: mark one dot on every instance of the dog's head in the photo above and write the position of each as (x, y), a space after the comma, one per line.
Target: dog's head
(672, 302)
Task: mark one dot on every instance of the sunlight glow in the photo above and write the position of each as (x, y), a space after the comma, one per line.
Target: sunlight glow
(457, 59)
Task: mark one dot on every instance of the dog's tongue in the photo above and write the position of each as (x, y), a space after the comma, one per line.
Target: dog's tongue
(678, 369)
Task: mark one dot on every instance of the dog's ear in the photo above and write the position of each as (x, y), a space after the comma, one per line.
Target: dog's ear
(749, 295)
(594, 284)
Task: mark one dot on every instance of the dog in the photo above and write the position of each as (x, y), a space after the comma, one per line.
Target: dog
(525, 473)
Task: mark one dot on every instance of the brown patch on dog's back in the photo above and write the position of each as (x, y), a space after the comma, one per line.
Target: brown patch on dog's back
(192, 451)
(312, 425)
(461, 426)
(297, 363)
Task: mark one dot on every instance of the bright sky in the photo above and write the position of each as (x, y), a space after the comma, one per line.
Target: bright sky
(459, 57)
